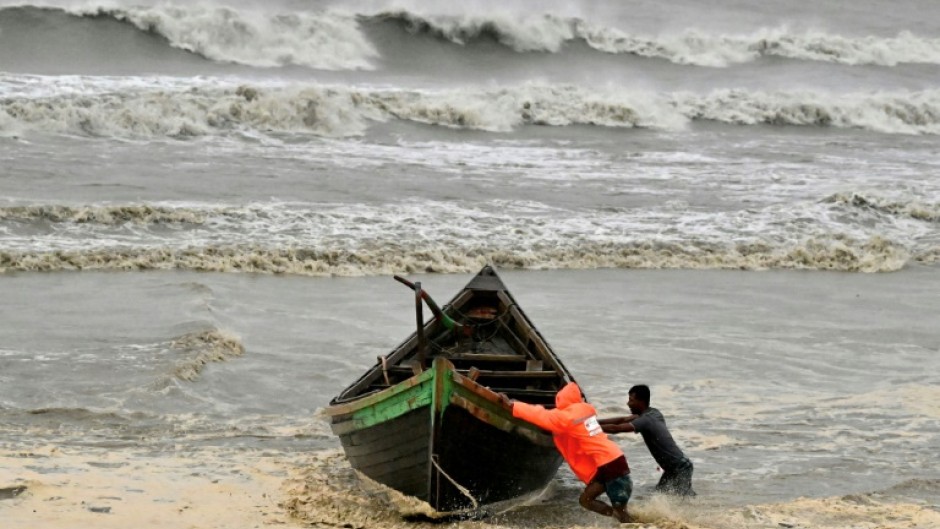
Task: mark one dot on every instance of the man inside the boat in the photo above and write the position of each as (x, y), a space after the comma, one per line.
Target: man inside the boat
(595, 460)
(650, 423)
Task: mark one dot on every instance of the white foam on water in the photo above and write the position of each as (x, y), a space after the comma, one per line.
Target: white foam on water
(840, 234)
(695, 47)
(204, 347)
(523, 34)
(249, 36)
(551, 33)
(161, 107)
(332, 38)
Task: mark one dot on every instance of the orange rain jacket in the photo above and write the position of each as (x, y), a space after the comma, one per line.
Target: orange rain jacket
(575, 429)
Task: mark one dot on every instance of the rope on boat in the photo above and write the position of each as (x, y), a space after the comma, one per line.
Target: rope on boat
(463, 490)
(495, 322)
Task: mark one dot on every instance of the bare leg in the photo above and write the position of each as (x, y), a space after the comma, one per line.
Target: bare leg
(590, 502)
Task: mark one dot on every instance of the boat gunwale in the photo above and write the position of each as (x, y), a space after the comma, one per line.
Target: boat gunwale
(400, 353)
(477, 399)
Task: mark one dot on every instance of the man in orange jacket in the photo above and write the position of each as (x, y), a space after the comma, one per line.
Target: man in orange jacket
(595, 460)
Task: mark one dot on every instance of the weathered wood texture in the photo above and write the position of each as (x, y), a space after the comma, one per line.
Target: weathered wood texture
(492, 464)
(394, 453)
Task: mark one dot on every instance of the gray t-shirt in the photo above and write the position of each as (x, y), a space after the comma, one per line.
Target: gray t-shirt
(652, 426)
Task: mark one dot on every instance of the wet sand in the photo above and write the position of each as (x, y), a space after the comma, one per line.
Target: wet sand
(67, 490)
(73, 487)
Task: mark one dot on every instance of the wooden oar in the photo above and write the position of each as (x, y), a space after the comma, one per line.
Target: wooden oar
(438, 313)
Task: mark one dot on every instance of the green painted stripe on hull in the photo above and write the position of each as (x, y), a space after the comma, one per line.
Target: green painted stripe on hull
(443, 385)
(395, 405)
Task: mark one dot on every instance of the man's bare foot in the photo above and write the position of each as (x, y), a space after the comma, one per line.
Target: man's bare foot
(622, 516)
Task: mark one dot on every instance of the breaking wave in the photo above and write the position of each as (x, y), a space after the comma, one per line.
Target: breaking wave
(328, 41)
(548, 33)
(336, 40)
(204, 347)
(122, 108)
(860, 231)
(836, 253)
(109, 215)
(914, 209)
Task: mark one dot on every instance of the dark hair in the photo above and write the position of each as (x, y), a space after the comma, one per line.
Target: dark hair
(641, 392)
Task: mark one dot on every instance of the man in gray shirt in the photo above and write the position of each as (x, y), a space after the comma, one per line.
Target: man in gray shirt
(650, 423)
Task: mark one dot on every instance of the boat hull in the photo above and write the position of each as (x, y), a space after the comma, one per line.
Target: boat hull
(444, 439)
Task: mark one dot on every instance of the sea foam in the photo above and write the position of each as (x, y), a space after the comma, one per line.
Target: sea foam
(837, 232)
(130, 108)
(335, 39)
(253, 37)
(550, 33)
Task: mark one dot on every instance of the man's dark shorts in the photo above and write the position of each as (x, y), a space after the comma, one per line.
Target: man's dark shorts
(677, 480)
(619, 489)
(615, 476)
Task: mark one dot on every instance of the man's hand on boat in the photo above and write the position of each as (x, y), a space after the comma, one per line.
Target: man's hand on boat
(505, 400)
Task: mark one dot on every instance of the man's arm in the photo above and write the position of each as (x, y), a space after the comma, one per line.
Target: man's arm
(538, 415)
(618, 424)
(617, 420)
(622, 427)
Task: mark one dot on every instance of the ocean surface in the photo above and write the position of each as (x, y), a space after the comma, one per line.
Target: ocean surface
(202, 204)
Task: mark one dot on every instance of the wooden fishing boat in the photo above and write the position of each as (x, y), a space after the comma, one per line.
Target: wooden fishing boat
(426, 419)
